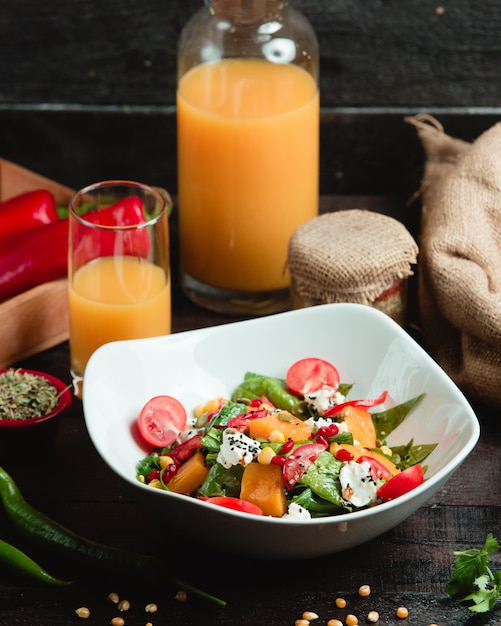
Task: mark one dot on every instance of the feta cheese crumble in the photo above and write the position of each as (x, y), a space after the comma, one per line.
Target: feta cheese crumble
(320, 422)
(357, 485)
(324, 398)
(236, 448)
(296, 511)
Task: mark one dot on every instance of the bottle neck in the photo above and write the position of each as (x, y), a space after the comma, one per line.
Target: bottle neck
(247, 10)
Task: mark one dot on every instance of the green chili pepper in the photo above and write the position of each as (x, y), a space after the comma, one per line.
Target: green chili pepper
(43, 532)
(17, 562)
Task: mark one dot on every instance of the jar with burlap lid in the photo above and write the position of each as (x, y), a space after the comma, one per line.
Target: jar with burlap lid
(354, 255)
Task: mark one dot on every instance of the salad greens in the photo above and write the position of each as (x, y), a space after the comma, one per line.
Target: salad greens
(316, 487)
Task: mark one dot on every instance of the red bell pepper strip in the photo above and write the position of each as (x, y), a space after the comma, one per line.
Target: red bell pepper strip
(41, 255)
(361, 404)
(242, 422)
(25, 212)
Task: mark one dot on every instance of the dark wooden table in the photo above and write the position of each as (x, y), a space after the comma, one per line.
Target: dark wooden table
(408, 565)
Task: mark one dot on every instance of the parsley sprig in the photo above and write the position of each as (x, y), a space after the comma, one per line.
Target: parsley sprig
(472, 576)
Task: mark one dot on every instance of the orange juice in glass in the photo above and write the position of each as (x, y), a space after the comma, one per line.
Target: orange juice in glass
(248, 160)
(119, 274)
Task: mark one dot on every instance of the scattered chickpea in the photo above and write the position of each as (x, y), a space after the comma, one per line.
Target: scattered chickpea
(181, 596)
(124, 605)
(340, 603)
(309, 616)
(351, 620)
(83, 612)
(373, 617)
(334, 622)
(151, 607)
(265, 456)
(364, 591)
(402, 612)
(113, 597)
(165, 460)
(276, 436)
(117, 621)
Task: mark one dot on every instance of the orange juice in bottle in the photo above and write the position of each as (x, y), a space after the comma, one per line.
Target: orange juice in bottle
(248, 146)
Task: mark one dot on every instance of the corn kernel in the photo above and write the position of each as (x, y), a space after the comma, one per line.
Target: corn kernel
(117, 621)
(373, 617)
(351, 620)
(402, 612)
(151, 607)
(83, 612)
(334, 622)
(113, 597)
(364, 591)
(340, 603)
(155, 483)
(276, 436)
(124, 605)
(301, 622)
(265, 456)
(309, 616)
(165, 460)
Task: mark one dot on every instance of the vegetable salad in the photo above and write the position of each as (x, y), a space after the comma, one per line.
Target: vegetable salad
(296, 448)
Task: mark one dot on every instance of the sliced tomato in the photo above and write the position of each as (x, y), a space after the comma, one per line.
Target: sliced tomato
(408, 479)
(241, 422)
(378, 470)
(299, 461)
(311, 374)
(236, 504)
(161, 420)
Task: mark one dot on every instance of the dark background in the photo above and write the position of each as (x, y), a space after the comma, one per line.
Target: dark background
(87, 87)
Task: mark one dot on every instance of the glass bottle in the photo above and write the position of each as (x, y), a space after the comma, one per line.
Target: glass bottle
(248, 150)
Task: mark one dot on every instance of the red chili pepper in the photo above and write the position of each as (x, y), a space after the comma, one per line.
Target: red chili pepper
(362, 404)
(185, 450)
(104, 242)
(38, 256)
(41, 255)
(25, 212)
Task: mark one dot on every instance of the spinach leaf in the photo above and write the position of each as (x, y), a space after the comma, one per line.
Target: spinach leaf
(386, 421)
(322, 478)
(317, 506)
(224, 415)
(410, 454)
(222, 481)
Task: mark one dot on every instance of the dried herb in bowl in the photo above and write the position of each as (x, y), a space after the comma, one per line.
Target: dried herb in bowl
(24, 395)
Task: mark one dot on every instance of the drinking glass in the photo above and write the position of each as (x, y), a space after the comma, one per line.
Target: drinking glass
(118, 267)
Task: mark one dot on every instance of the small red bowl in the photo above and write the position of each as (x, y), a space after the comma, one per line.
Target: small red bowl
(65, 400)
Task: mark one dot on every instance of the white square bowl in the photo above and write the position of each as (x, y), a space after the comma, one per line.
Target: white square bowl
(368, 348)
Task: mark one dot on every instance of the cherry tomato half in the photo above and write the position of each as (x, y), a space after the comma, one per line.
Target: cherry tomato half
(378, 470)
(236, 504)
(408, 479)
(161, 420)
(297, 463)
(311, 374)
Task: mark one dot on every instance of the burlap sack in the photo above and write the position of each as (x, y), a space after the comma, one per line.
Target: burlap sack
(460, 257)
